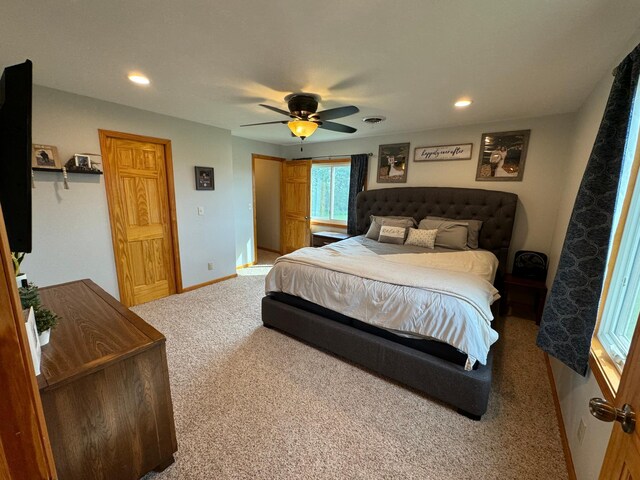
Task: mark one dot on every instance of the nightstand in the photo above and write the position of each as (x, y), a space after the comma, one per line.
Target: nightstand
(320, 239)
(525, 287)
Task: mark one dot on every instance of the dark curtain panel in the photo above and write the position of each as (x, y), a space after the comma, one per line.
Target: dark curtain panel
(356, 185)
(570, 313)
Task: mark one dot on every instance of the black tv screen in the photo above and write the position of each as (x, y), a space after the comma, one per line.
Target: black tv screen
(15, 154)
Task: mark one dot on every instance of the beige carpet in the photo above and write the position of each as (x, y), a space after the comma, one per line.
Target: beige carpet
(252, 403)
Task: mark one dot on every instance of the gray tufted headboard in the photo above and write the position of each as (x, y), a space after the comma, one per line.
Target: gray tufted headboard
(496, 210)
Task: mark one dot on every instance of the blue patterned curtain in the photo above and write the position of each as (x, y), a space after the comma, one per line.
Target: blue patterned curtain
(570, 313)
(359, 165)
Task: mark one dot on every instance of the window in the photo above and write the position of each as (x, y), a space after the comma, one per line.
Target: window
(621, 305)
(330, 192)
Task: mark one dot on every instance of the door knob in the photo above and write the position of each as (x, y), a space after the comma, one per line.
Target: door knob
(605, 411)
(306, 218)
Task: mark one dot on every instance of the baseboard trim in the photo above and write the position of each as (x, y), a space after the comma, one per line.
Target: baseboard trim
(210, 282)
(571, 470)
(269, 249)
(246, 265)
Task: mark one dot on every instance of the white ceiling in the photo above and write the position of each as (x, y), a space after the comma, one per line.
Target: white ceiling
(409, 60)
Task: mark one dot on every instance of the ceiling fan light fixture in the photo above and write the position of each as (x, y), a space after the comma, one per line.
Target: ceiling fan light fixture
(302, 128)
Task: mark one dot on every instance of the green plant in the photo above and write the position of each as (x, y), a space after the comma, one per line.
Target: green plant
(30, 297)
(45, 319)
(17, 258)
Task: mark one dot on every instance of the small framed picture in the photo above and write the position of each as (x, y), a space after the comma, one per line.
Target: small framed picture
(45, 157)
(204, 178)
(393, 161)
(502, 156)
(82, 161)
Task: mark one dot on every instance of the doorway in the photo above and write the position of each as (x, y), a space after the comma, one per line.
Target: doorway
(139, 184)
(267, 174)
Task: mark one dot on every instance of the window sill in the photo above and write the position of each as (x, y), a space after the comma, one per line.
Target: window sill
(328, 223)
(604, 370)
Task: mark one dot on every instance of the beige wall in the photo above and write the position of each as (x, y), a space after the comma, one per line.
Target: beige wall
(539, 192)
(71, 232)
(267, 183)
(243, 193)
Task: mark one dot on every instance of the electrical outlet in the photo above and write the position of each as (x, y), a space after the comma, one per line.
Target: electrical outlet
(582, 428)
(210, 265)
(200, 210)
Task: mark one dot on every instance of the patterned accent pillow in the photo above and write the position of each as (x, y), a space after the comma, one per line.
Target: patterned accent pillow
(378, 221)
(422, 238)
(390, 234)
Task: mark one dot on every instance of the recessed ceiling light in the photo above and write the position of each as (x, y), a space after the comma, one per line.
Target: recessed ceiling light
(138, 78)
(462, 103)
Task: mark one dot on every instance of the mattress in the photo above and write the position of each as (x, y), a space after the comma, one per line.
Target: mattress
(409, 291)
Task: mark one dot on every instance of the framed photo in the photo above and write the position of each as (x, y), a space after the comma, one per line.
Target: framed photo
(45, 157)
(443, 152)
(393, 161)
(82, 161)
(204, 178)
(502, 156)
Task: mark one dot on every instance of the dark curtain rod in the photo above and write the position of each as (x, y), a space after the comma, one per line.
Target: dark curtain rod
(327, 156)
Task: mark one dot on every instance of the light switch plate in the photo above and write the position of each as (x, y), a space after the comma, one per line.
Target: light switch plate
(200, 210)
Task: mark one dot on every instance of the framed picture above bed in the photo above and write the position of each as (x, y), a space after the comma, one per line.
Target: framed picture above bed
(393, 162)
(502, 156)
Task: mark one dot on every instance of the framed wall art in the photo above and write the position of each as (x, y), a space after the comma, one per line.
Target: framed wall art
(45, 157)
(502, 156)
(204, 178)
(462, 151)
(393, 162)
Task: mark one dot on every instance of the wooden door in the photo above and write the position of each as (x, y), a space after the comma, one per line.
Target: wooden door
(295, 205)
(25, 452)
(139, 181)
(622, 460)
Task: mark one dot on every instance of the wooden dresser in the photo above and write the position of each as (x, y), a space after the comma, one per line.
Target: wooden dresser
(104, 387)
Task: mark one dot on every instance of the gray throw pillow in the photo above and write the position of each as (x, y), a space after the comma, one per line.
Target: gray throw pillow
(451, 234)
(473, 233)
(378, 221)
(390, 234)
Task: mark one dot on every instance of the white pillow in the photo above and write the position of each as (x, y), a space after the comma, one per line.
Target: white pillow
(422, 238)
(389, 234)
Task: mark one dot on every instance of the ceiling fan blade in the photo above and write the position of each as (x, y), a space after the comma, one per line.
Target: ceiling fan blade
(337, 127)
(334, 113)
(264, 123)
(275, 109)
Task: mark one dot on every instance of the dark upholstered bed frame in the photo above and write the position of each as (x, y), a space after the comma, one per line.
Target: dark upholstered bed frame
(466, 390)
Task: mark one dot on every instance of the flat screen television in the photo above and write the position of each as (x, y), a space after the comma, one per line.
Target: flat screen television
(15, 154)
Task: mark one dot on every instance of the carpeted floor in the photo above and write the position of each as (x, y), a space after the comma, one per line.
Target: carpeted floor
(252, 403)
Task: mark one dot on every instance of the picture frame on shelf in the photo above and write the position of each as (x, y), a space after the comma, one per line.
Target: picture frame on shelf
(45, 157)
(204, 178)
(82, 161)
(502, 156)
(462, 151)
(393, 163)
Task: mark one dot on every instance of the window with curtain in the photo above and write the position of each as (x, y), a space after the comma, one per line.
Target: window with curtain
(330, 192)
(621, 305)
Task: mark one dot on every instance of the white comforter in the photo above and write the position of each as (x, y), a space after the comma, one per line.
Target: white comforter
(443, 296)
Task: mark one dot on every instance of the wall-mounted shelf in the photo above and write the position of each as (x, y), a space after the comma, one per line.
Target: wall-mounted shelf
(59, 170)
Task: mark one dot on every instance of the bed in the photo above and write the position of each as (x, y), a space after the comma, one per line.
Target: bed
(433, 367)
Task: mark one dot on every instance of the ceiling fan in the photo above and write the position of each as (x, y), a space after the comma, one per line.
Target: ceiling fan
(305, 118)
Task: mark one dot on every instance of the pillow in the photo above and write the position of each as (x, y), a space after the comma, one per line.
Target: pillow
(473, 229)
(377, 222)
(451, 234)
(422, 238)
(389, 234)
